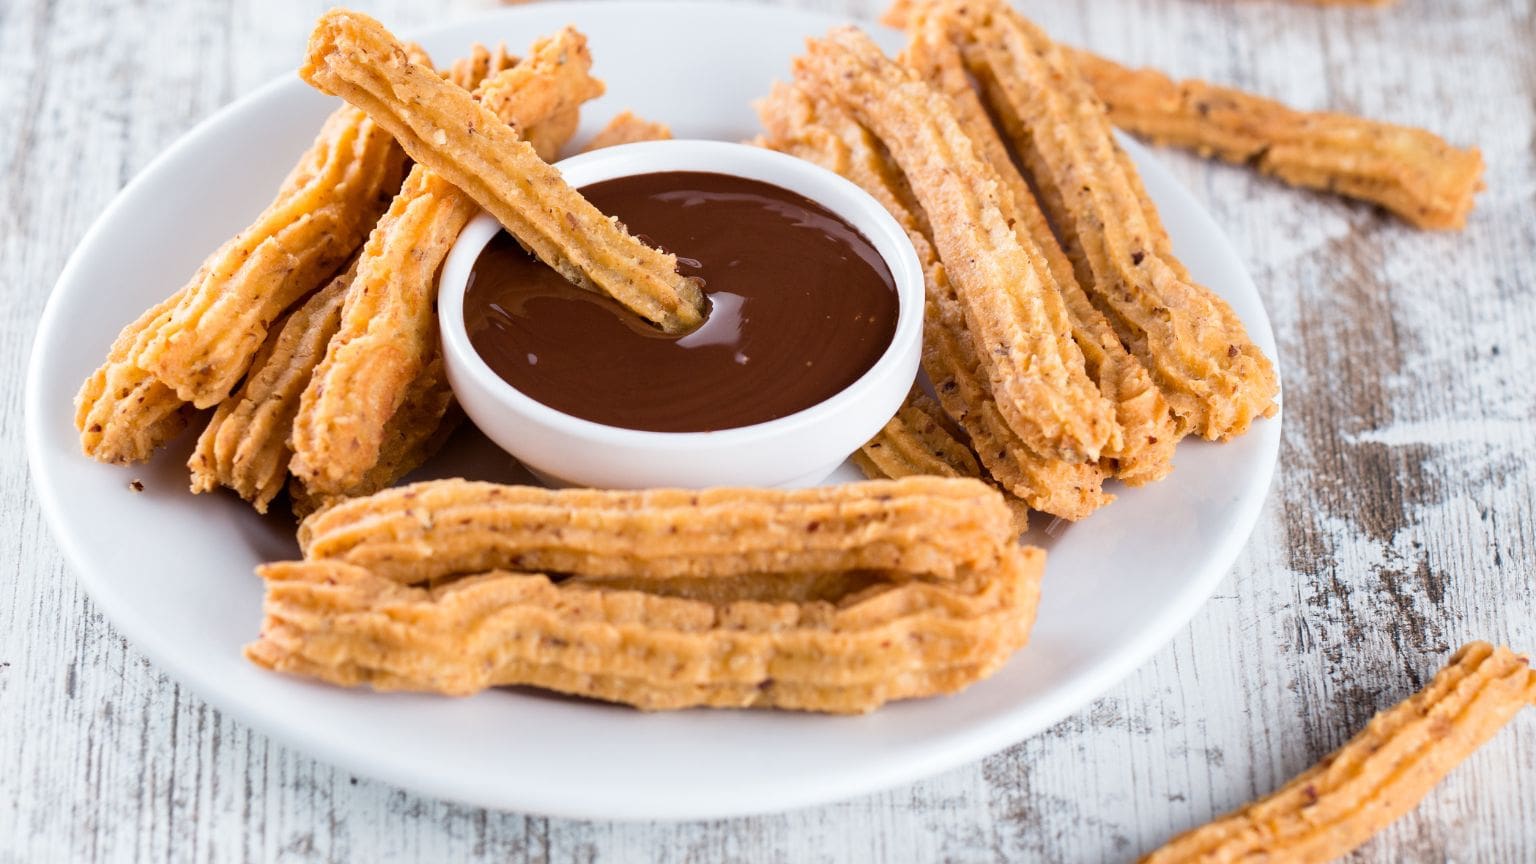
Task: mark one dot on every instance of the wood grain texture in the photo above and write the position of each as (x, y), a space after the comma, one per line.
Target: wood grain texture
(1401, 523)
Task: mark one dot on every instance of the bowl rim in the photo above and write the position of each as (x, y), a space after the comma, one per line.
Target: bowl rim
(849, 202)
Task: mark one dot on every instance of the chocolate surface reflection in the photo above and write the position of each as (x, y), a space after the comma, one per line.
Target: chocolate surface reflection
(801, 306)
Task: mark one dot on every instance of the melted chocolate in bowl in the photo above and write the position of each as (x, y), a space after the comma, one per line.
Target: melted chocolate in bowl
(801, 306)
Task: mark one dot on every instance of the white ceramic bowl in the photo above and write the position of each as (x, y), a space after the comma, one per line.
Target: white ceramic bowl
(798, 450)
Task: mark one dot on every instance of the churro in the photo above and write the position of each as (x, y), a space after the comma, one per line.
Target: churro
(1382, 773)
(124, 413)
(425, 419)
(896, 639)
(442, 127)
(1197, 351)
(471, 71)
(1411, 172)
(388, 325)
(1148, 434)
(824, 134)
(245, 446)
(1011, 303)
(626, 128)
(918, 441)
(323, 213)
(440, 528)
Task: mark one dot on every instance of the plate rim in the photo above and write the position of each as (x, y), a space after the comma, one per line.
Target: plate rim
(976, 742)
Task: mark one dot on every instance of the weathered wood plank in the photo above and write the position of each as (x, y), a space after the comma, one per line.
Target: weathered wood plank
(1400, 526)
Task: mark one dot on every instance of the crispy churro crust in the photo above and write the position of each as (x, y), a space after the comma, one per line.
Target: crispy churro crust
(441, 528)
(1148, 434)
(824, 134)
(892, 640)
(626, 128)
(124, 413)
(323, 213)
(1011, 303)
(1382, 773)
(442, 127)
(919, 441)
(388, 326)
(1197, 351)
(1411, 172)
(245, 446)
(425, 420)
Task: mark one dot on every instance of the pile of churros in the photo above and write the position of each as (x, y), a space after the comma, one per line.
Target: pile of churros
(1065, 346)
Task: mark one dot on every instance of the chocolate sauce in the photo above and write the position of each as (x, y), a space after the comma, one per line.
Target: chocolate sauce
(801, 305)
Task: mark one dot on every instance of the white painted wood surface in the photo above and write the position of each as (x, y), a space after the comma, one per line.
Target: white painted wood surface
(1400, 526)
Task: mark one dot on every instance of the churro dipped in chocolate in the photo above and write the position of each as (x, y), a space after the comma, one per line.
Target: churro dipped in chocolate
(1012, 306)
(1411, 172)
(388, 328)
(443, 128)
(1382, 773)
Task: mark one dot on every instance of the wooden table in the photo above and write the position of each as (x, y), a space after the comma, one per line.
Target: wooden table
(1400, 526)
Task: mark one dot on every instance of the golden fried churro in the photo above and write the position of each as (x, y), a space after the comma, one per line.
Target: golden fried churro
(895, 639)
(1148, 434)
(439, 528)
(388, 327)
(245, 446)
(824, 134)
(1382, 773)
(442, 127)
(1011, 303)
(1411, 172)
(124, 413)
(1214, 378)
(419, 428)
(323, 213)
(469, 72)
(626, 128)
(919, 441)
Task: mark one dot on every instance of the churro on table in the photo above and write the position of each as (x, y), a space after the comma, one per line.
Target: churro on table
(626, 128)
(1382, 773)
(443, 128)
(1411, 172)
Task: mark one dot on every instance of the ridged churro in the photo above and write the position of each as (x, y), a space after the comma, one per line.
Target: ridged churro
(1011, 302)
(419, 428)
(245, 446)
(1382, 773)
(1197, 351)
(626, 128)
(440, 528)
(323, 213)
(124, 413)
(471, 71)
(824, 134)
(897, 639)
(388, 326)
(1147, 436)
(918, 441)
(1411, 172)
(442, 127)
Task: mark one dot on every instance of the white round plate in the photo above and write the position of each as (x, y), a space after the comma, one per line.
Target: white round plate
(173, 571)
